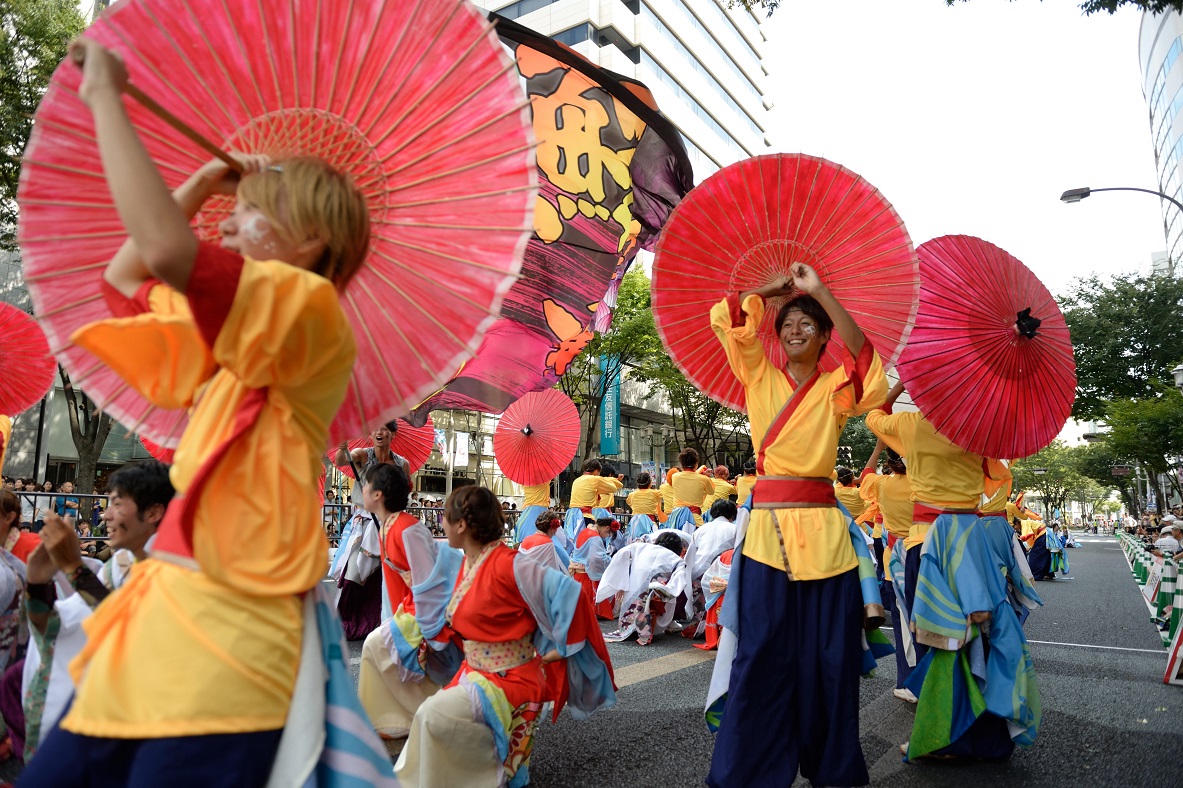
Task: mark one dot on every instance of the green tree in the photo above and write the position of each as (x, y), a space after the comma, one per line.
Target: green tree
(1150, 431)
(631, 338)
(1098, 460)
(1110, 6)
(1052, 473)
(718, 433)
(35, 34)
(861, 441)
(1126, 336)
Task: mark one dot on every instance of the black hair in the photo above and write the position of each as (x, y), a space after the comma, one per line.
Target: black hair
(812, 309)
(644, 480)
(480, 511)
(688, 458)
(392, 483)
(725, 508)
(604, 522)
(845, 477)
(749, 467)
(146, 483)
(670, 541)
(590, 466)
(895, 461)
(607, 469)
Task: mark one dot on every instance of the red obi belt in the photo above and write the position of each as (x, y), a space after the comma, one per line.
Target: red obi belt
(793, 492)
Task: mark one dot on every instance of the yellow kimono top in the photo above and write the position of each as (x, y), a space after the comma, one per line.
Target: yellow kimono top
(723, 490)
(607, 500)
(868, 490)
(942, 475)
(537, 495)
(816, 540)
(743, 489)
(998, 484)
(895, 504)
(850, 498)
(644, 502)
(668, 499)
(692, 488)
(5, 436)
(211, 644)
(588, 488)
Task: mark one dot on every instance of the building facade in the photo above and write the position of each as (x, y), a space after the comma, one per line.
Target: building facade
(1160, 47)
(703, 62)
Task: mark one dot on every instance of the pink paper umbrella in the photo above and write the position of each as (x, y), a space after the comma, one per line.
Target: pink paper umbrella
(417, 100)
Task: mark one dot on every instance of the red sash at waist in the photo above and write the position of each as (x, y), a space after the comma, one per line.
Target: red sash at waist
(694, 509)
(586, 509)
(923, 513)
(793, 492)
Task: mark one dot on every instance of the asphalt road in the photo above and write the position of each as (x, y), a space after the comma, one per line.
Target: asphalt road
(1108, 720)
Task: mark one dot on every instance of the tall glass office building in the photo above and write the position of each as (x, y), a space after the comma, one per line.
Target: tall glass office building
(701, 60)
(1160, 54)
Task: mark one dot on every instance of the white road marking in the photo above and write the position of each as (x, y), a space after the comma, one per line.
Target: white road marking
(1109, 648)
(660, 666)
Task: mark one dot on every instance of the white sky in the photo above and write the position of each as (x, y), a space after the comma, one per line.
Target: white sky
(973, 119)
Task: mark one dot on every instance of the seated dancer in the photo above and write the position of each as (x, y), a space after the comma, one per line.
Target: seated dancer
(585, 498)
(846, 490)
(12, 596)
(745, 483)
(225, 330)
(139, 495)
(645, 503)
(360, 601)
(393, 679)
(690, 488)
(803, 590)
(541, 545)
(534, 503)
(589, 560)
(715, 537)
(714, 585)
(649, 576)
(529, 635)
(957, 602)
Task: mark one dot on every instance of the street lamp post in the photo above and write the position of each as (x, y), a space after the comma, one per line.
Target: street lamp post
(1076, 195)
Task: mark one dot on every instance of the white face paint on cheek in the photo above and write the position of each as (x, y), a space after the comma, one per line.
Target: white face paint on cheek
(809, 331)
(255, 228)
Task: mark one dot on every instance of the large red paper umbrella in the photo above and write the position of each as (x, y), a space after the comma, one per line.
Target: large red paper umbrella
(989, 362)
(414, 444)
(536, 437)
(157, 451)
(27, 367)
(417, 100)
(746, 225)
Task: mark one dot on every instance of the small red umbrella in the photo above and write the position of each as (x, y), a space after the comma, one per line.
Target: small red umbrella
(536, 437)
(744, 227)
(414, 444)
(27, 367)
(989, 361)
(417, 101)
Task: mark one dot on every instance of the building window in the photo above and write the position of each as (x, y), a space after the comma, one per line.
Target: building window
(575, 35)
(523, 7)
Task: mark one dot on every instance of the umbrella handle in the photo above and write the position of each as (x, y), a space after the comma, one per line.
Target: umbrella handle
(150, 104)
